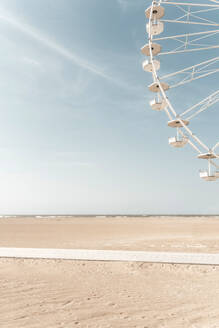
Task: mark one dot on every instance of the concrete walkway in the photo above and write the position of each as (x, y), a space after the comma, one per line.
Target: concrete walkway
(107, 255)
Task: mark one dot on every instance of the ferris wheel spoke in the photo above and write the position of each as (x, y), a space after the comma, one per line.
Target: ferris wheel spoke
(207, 5)
(206, 10)
(202, 105)
(193, 72)
(196, 67)
(203, 19)
(204, 37)
(175, 51)
(217, 145)
(192, 79)
(188, 42)
(192, 16)
(189, 22)
(201, 110)
(186, 35)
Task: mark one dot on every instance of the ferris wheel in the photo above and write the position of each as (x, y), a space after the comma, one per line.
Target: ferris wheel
(190, 40)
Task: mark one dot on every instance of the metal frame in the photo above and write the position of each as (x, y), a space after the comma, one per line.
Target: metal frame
(202, 105)
(190, 43)
(193, 72)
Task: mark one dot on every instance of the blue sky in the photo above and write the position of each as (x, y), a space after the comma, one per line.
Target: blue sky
(77, 134)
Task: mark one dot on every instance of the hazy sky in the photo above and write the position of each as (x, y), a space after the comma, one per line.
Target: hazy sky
(77, 134)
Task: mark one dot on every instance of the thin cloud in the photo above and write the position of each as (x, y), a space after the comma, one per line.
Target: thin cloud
(59, 49)
(37, 35)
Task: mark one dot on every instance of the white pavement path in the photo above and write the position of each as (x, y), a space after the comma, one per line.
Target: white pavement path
(108, 255)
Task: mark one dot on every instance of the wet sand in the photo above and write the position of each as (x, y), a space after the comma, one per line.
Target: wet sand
(56, 293)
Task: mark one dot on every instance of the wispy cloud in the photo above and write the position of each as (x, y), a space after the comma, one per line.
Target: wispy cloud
(59, 49)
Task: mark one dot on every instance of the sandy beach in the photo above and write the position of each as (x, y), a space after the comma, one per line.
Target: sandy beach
(56, 293)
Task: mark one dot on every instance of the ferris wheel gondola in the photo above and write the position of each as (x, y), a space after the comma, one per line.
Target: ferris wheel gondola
(189, 41)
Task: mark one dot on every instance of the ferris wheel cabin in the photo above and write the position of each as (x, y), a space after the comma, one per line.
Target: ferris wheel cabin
(158, 104)
(155, 27)
(155, 87)
(178, 142)
(155, 48)
(157, 12)
(177, 123)
(148, 66)
(208, 155)
(208, 177)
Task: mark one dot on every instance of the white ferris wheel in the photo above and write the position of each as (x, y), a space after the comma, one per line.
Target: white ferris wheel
(195, 41)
